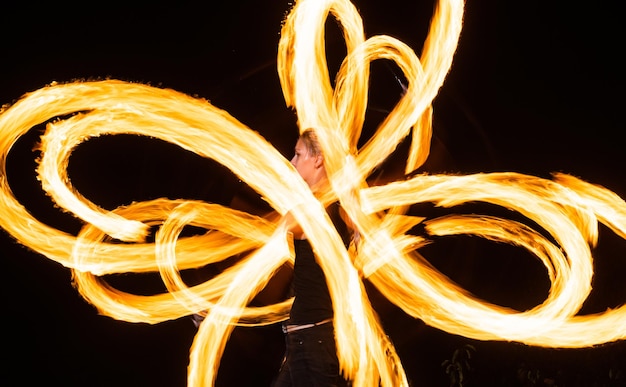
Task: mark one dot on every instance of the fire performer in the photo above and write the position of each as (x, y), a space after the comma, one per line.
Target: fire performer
(310, 349)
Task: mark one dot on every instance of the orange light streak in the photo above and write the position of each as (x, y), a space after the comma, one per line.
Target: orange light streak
(567, 208)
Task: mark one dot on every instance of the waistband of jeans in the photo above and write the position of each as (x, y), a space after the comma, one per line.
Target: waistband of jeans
(293, 328)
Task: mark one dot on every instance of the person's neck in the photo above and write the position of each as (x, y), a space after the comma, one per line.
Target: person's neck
(319, 184)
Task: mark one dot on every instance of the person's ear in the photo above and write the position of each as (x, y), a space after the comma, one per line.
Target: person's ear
(319, 161)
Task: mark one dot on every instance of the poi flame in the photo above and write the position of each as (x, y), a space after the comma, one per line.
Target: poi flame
(568, 208)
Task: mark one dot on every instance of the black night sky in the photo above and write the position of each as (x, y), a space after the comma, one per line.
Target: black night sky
(536, 87)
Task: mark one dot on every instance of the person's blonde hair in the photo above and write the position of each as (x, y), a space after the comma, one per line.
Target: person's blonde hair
(309, 139)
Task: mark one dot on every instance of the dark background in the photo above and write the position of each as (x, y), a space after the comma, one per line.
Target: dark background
(536, 87)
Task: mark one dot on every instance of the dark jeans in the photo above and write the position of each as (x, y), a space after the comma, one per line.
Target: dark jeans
(310, 359)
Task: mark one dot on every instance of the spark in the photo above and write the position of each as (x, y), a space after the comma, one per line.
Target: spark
(567, 208)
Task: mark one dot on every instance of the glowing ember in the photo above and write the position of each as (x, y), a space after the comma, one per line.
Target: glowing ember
(567, 208)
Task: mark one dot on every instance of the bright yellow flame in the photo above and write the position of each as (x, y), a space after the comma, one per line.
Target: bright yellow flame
(567, 208)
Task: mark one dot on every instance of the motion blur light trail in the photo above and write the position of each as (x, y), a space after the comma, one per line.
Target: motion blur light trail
(567, 208)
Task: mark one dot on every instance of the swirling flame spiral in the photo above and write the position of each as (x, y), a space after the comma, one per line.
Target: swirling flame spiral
(567, 208)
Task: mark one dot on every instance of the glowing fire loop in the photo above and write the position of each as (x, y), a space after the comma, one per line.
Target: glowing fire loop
(567, 208)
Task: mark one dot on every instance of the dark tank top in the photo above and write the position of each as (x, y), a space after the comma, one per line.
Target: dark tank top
(312, 301)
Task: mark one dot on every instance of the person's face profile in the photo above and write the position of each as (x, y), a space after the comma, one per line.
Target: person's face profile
(304, 162)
